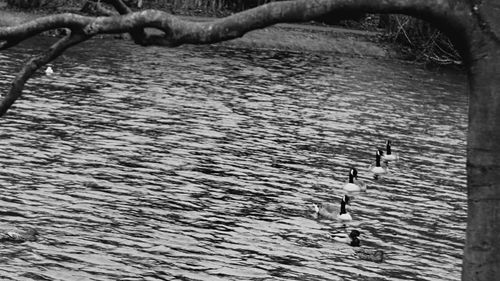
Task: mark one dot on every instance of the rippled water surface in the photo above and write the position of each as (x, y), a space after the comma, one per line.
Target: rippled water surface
(199, 163)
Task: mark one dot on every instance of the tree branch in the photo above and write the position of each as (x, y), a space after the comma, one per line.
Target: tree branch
(26, 30)
(451, 15)
(120, 6)
(35, 63)
(138, 34)
(179, 31)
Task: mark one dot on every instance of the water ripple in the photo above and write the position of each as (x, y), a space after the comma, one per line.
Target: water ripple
(199, 163)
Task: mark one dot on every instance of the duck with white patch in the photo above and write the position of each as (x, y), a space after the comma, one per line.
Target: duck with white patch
(332, 211)
(389, 155)
(351, 239)
(354, 184)
(378, 169)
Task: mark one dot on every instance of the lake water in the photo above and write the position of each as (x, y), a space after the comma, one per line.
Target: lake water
(200, 162)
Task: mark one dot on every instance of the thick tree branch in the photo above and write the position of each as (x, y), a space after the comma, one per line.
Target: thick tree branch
(39, 25)
(120, 6)
(179, 31)
(451, 15)
(35, 63)
(138, 34)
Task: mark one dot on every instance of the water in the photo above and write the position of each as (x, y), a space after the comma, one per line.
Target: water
(199, 163)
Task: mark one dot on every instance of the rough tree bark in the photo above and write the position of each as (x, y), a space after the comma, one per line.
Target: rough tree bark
(482, 250)
(473, 26)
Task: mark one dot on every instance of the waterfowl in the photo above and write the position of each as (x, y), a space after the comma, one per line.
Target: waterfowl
(353, 184)
(49, 71)
(389, 156)
(18, 235)
(351, 239)
(332, 211)
(378, 169)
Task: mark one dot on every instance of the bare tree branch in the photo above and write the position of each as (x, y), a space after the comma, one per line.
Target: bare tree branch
(179, 31)
(120, 6)
(39, 25)
(35, 63)
(452, 14)
(138, 34)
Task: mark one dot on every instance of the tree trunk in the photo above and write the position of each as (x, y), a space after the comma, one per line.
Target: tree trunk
(482, 248)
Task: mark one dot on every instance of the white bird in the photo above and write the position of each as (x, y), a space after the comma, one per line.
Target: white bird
(389, 156)
(378, 170)
(49, 71)
(332, 211)
(353, 184)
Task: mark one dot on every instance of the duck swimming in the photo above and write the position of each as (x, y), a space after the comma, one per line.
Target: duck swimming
(351, 239)
(49, 71)
(353, 184)
(332, 211)
(389, 156)
(378, 169)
